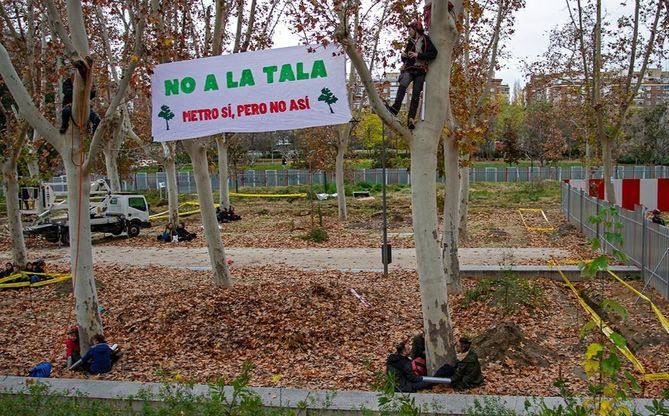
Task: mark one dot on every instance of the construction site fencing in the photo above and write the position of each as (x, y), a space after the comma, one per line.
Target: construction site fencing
(292, 177)
(646, 244)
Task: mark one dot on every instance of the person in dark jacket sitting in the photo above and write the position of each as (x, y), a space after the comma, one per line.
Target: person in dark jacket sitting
(467, 370)
(183, 234)
(398, 365)
(656, 217)
(100, 356)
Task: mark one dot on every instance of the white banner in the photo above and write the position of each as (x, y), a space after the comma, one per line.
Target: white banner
(274, 89)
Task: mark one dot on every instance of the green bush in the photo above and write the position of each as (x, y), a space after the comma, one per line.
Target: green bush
(317, 235)
(489, 407)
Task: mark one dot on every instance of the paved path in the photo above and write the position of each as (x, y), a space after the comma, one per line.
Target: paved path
(365, 259)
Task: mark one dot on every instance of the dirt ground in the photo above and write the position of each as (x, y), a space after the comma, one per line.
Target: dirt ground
(306, 325)
(176, 325)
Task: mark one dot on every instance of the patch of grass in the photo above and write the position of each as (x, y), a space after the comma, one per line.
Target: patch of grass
(509, 292)
(514, 195)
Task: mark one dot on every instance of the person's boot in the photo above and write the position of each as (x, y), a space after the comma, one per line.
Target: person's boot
(411, 123)
(392, 109)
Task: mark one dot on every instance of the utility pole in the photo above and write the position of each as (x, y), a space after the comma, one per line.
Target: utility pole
(386, 253)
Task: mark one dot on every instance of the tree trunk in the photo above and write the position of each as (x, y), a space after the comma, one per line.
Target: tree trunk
(223, 174)
(172, 190)
(111, 164)
(464, 203)
(81, 251)
(588, 162)
(607, 161)
(342, 146)
(197, 151)
(433, 289)
(11, 180)
(451, 213)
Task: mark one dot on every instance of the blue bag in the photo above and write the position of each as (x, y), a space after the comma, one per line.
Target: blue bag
(41, 370)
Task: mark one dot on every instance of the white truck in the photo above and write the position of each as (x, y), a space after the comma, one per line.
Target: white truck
(110, 213)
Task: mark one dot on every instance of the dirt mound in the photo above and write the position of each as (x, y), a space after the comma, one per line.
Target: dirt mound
(507, 342)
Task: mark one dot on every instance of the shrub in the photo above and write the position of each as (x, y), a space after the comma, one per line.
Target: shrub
(317, 235)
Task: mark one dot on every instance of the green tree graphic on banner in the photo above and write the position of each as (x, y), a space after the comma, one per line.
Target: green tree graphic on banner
(167, 114)
(328, 97)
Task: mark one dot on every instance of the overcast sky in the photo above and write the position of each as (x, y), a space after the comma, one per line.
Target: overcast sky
(529, 40)
(532, 25)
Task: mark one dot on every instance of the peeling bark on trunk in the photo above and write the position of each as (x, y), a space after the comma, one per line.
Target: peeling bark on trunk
(11, 181)
(451, 213)
(197, 151)
(223, 174)
(433, 289)
(111, 164)
(464, 203)
(81, 257)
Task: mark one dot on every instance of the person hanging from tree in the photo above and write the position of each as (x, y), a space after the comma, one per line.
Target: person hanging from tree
(68, 89)
(418, 52)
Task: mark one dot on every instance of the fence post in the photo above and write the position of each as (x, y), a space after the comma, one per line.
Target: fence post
(598, 222)
(581, 211)
(644, 226)
(568, 202)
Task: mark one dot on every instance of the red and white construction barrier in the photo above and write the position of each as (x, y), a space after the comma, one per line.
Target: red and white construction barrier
(651, 193)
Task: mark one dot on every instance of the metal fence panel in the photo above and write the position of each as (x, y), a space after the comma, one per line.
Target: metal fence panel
(645, 244)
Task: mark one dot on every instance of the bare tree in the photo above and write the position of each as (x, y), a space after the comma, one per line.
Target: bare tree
(72, 145)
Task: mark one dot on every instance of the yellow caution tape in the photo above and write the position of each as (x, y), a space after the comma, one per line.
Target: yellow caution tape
(663, 320)
(607, 331)
(269, 195)
(55, 278)
(522, 217)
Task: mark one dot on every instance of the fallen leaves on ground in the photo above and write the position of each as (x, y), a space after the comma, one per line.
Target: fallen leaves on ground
(305, 326)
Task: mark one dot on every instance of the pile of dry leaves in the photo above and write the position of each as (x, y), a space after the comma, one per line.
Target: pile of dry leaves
(307, 327)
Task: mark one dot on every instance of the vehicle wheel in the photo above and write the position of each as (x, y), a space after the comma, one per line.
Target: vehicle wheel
(133, 230)
(118, 230)
(65, 237)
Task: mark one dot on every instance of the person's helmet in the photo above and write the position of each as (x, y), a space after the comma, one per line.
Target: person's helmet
(417, 25)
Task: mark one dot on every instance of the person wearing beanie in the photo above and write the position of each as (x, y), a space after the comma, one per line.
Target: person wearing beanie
(466, 373)
(418, 52)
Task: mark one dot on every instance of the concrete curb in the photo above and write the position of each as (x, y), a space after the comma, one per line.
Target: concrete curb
(341, 401)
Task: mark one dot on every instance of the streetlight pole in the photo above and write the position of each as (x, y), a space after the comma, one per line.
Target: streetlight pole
(386, 256)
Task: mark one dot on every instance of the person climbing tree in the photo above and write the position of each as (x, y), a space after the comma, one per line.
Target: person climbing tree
(417, 53)
(66, 114)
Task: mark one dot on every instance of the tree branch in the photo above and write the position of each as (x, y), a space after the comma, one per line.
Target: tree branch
(58, 29)
(75, 17)
(25, 103)
(137, 54)
(365, 75)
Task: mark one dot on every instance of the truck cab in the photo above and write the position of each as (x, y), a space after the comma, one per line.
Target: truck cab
(133, 208)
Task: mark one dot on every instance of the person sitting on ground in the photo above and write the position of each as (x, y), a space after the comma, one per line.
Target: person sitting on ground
(418, 361)
(657, 218)
(467, 370)
(39, 266)
(183, 234)
(9, 270)
(30, 270)
(418, 52)
(232, 215)
(222, 215)
(72, 351)
(168, 233)
(398, 366)
(100, 356)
